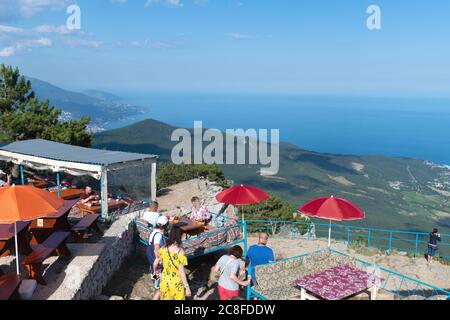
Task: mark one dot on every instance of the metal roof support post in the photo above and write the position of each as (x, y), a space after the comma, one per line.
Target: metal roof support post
(22, 177)
(104, 192)
(58, 182)
(153, 180)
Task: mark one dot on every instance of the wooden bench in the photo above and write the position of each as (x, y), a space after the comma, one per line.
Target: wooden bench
(9, 287)
(56, 243)
(89, 222)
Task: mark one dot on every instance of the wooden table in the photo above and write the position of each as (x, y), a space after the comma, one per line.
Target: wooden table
(112, 205)
(39, 183)
(192, 227)
(7, 241)
(69, 194)
(42, 228)
(338, 283)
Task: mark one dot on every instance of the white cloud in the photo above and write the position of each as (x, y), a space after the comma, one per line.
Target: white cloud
(77, 42)
(118, 1)
(7, 52)
(26, 44)
(16, 9)
(31, 7)
(240, 36)
(10, 30)
(169, 3)
(49, 28)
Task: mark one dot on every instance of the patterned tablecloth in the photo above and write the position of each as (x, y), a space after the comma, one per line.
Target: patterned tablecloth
(338, 283)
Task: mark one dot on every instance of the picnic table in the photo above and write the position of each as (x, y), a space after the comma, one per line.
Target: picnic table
(95, 209)
(190, 227)
(42, 228)
(7, 238)
(69, 194)
(33, 263)
(338, 283)
(9, 286)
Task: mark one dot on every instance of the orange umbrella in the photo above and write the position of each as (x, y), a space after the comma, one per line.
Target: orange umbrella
(25, 203)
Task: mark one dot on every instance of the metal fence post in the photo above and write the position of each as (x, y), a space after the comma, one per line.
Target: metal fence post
(390, 242)
(348, 235)
(292, 231)
(369, 238)
(417, 245)
(309, 231)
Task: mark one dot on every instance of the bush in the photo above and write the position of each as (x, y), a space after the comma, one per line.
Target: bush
(170, 174)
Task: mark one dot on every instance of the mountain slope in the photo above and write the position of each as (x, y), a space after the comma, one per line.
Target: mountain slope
(396, 193)
(101, 106)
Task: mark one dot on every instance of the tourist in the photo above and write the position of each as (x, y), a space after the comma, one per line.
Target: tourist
(259, 254)
(88, 196)
(156, 241)
(123, 195)
(3, 182)
(152, 214)
(228, 268)
(199, 212)
(174, 284)
(432, 245)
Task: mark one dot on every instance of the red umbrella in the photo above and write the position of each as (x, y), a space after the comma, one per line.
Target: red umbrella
(332, 208)
(242, 195)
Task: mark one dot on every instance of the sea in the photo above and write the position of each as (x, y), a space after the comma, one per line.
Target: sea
(390, 126)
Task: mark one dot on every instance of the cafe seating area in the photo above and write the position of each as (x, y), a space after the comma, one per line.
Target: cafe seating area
(221, 232)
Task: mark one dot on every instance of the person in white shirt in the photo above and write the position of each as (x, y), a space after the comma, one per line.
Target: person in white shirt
(152, 214)
(156, 241)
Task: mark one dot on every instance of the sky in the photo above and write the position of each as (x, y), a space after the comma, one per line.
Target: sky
(246, 46)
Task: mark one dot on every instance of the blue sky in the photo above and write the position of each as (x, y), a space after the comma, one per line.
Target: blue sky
(262, 46)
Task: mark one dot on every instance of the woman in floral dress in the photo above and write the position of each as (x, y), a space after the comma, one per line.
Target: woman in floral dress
(174, 284)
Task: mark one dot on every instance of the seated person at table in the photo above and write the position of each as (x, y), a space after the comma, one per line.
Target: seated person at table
(152, 214)
(199, 212)
(4, 182)
(89, 196)
(123, 195)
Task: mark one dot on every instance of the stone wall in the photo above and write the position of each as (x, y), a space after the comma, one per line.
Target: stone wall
(118, 243)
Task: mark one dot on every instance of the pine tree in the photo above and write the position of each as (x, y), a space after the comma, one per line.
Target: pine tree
(23, 116)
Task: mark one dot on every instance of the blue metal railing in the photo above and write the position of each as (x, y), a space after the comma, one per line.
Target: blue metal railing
(389, 240)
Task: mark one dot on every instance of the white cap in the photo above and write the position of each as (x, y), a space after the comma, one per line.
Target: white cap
(162, 221)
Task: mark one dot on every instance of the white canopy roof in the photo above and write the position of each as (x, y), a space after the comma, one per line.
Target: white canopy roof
(48, 155)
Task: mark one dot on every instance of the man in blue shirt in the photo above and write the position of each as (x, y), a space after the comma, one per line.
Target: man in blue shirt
(259, 254)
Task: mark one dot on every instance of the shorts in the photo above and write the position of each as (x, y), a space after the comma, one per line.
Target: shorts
(432, 250)
(227, 294)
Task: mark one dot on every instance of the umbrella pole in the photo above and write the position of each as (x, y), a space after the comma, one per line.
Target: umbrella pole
(17, 248)
(329, 236)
